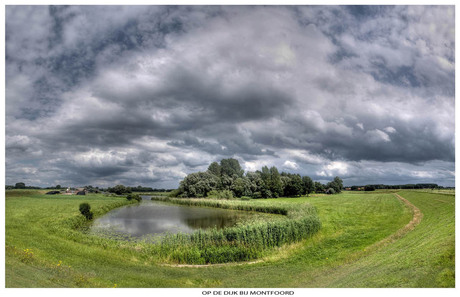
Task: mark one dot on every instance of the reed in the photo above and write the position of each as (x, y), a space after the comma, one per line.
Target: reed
(240, 243)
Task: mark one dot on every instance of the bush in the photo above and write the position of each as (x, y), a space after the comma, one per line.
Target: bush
(134, 196)
(119, 190)
(85, 210)
(369, 188)
(330, 191)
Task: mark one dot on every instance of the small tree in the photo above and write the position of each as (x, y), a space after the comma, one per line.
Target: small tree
(134, 196)
(339, 184)
(20, 186)
(85, 210)
(119, 190)
(319, 187)
(308, 185)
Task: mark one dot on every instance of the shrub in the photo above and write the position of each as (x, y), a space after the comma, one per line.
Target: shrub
(369, 188)
(134, 196)
(330, 191)
(119, 190)
(85, 210)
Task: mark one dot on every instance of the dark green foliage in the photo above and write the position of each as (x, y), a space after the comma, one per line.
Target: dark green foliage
(119, 190)
(85, 210)
(91, 189)
(198, 184)
(407, 186)
(20, 186)
(136, 197)
(272, 185)
(294, 185)
(308, 185)
(338, 181)
(266, 183)
(275, 185)
(241, 187)
(231, 167)
(226, 182)
(319, 187)
(336, 184)
(214, 168)
(369, 188)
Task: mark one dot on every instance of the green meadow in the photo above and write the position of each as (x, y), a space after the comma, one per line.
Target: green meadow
(359, 244)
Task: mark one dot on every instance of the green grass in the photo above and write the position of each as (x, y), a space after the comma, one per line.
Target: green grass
(437, 191)
(337, 256)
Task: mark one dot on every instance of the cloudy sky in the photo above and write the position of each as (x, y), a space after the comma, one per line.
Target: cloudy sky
(143, 95)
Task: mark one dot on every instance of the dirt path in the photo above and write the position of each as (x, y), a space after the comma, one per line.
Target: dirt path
(417, 216)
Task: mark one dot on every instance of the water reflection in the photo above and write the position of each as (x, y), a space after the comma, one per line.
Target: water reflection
(153, 218)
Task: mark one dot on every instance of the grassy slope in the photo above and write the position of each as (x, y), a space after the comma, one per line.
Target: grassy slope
(424, 257)
(351, 222)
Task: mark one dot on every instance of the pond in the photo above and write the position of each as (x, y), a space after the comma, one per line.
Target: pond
(151, 219)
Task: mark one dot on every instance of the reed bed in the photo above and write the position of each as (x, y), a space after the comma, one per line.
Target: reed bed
(240, 243)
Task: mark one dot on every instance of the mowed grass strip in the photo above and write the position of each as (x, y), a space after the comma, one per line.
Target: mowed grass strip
(424, 257)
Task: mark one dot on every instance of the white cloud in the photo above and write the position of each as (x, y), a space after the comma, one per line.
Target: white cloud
(290, 165)
(390, 129)
(376, 136)
(333, 169)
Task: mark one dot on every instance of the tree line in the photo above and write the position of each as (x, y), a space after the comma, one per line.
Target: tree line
(406, 186)
(227, 179)
(118, 189)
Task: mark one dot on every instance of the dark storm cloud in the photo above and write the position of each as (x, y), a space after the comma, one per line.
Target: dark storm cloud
(134, 94)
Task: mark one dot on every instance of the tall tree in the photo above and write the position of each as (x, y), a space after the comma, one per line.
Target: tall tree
(276, 186)
(308, 185)
(294, 186)
(319, 187)
(231, 167)
(241, 187)
(214, 168)
(339, 183)
(198, 184)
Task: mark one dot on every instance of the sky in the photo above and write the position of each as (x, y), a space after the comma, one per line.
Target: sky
(144, 95)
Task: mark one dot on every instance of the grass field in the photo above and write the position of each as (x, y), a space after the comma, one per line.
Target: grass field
(43, 249)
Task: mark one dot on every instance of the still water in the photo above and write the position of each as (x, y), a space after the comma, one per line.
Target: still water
(151, 219)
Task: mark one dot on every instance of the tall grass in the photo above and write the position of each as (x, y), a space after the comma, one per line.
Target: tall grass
(241, 243)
